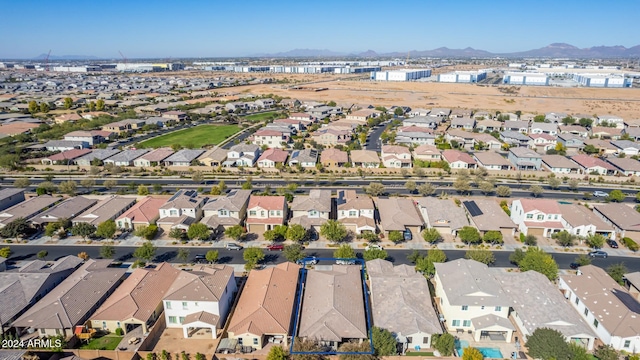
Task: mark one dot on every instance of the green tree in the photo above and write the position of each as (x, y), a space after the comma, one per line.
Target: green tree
(107, 251)
(431, 235)
(426, 189)
(277, 353)
(578, 352)
(573, 184)
(584, 122)
(109, 184)
(293, 252)
(595, 241)
(235, 232)
(22, 182)
(87, 183)
(547, 344)
(222, 185)
(16, 228)
(146, 232)
(384, 343)
(198, 231)
(616, 196)
(411, 186)
(537, 260)
(33, 107)
(333, 230)
(145, 252)
(582, 260)
(9, 161)
(469, 235)
(372, 253)
(183, 255)
(143, 190)
(398, 111)
(42, 254)
(590, 149)
(247, 185)
(444, 344)
(252, 256)
(68, 187)
(530, 240)
(106, 229)
(374, 189)
(554, 182)
(536, 190)
(564, 238)
(44, 107)
(100, 105)
(471, 353)
(493, 237)
(395, 236)
(617, 271)
(606, 352)
(197, 177)
(516, 256)
(157, 188)
(68, 102)
(5, 252)
(51, 228)
(296, 232)
(354, 347)
(83, 229)
(462, 185)
(481, 255)
(486, 187)
(345, 251)
(212, 256)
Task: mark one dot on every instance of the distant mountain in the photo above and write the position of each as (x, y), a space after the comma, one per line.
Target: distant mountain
(570, 51)
(66, 57)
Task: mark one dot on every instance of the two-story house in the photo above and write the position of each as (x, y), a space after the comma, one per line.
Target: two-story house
(415, 135)
(524, 159)
(331, 136)
(221, 212)
(270, 138)
(333, 158)
(311, 211)
(395, 156)
(427, 153)
(538, 217)
(244, 155)
(357, 213)
(181, 210)
(265, 213)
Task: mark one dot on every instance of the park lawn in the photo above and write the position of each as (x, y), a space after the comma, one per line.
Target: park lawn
(107, 342)
(195, 137)
(263, 116)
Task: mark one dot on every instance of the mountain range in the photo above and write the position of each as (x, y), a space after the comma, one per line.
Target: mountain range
(555, 50)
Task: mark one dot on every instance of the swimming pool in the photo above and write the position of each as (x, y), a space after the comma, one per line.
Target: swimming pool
(493, 353)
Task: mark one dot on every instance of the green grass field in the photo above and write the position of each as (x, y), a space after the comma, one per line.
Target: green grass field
(264, 116)
(107, 342)
(419, 353)
(195, 137)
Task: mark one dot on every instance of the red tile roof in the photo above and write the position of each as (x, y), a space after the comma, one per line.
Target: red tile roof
(69, 154)
(456, 155)
(145, 210)
(588, 162)
(546, 206)
(267, 202)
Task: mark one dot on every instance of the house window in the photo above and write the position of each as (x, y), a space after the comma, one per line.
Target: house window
(577, 231)
(425, 340)
(239, 341)
(184, 305)
(118, 324)
(104, 324)
(466, 323)
(577, 300)
(455, 323)
(262, 213)
(168, 305)
(555, 217)
(42, 331)
(255, 341)
(627, 343)
(313, 213)
(57, 331)
(196, 304)
(586, 311)
(595, 323)
(278, 213)
(223, 213)
(529, 216)
(540, 217)
(409, 339)
(352, 213)
(173, 212)
(252, 213)
(498, 308)
(481, 307)
(181, 319)
(465, 307)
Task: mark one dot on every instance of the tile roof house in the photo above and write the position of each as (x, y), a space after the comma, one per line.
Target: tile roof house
(71, 303)
(589, 164)
(516, 126)
(514, 138)
(421, 121)
(465, 123)
(542, 141)
(226, 210)
(575, 130)
(398, 304)
(271, 157)
(365, 159)
(333, 306)
(523, 158)
(489, 125)
(10, 197)
(67, 209)
(630, 148)
(538, 217)
(624, 219)
(97, 155)
(396, 156)
(311, 211)
(604, 147)
(181, 210)
(265, 308)
(606, 132)
(27, 209)
(625, 166)
(544, 128)
(270, 138)
(90, 137)
(243, 155)
(306, 158)
(414, 135)
(183, 157)
(399, 214)
(491, 160)
(266, 212)
(458, 159)
(427, 153)
(106, 209)
(559, 164)
(200, 298)
(213, 157)
(486, 215)
(442, 214)
(331, 136)
(608, 308)
(65, 158)
(571, 142)
(153, 158)
(580, 221)
(333, 158)
(144, 213)
(357, 213)
(126, 157)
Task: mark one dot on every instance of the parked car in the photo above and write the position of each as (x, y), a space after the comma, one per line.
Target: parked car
(574, 266)
(345, 262)
(612, 244)
(200, 258)
(598, 254)
(275, 247)
(373, 246)
(233, 246)
(308, 260)
(600, 194)
(407, 235)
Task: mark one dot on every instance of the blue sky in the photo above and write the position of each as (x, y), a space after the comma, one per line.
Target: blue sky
(217, 28)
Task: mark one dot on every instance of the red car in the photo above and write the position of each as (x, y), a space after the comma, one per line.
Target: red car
(274, 247)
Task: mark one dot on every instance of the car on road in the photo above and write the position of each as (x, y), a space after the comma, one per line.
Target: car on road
(600, 194)
(598, 254)
(275, 247)
(346, 262)
(233, 246)
(308, 260)
(374, 246)
(574, 266)
(200, 259)
(612, 244)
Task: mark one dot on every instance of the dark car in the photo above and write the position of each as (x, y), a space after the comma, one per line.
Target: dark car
(598, 254)
(275, 247)
(612, 244)
(574, 265)
(233, 246)
(200, 258)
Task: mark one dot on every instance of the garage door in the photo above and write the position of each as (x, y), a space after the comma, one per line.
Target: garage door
(539, 232)
(256, 228)
(507, 234)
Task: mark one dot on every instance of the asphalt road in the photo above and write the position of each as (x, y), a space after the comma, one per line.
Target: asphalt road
(28, 252)
(373, 139)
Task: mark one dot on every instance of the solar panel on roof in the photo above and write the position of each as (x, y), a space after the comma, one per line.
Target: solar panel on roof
(472, 208)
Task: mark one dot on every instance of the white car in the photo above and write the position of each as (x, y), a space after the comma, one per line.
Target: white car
(373, 246)
(600, 194)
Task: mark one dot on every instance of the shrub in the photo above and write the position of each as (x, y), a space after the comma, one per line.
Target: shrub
(119, 331)
(630, 244)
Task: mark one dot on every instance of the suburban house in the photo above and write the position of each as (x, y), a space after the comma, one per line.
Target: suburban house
(543, 128)
(415, 135)
(542, 141)
(265, 213)
(489, 125)
(107, 209)
(427, 153)
(10, 197)
(333, 158)
(270, 158)
(72, 301)
(570, 141)
(627, 147)
(331, 136)
(624, 219)
(365, 159)
(461, 138)
(67, 209)
(137, 302)
(580, 221)
(126, 157)
(213, 157)
(625, 166)
(27, 209)
(92, 138)
(464, 123)
(458, 159)
(184, 157)
(221, 212)
(593, 165)
(175, 115)
(491, 160)
(242, 155)
(523, 158)
(608, 308)
(362, 115)
(144, 213)
(333, 306)
(264, 311)
(153, 158)
(23, 287)
(442, 214)
(440, 113)
(398, 304)
(538, 217)
(575, 130)
(64, 145)
(66, 157)
(606, 132)
(357, 213)
(514, 138)
(270, 138)
(399, 214)
(181, 210)
(311, 211)
(516, 126)
(604, 147)
(421, 121)
(559, 164)
(632, 284)
(306, 158)
(396, 156)
(95, 157)
(200, 299)
(609, 119)
(486, 215)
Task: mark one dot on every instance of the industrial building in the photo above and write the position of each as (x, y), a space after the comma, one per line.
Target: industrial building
(148, 67)
(400, 75)
(525, 78)
(463, 76)
(77, 69)
(603, 80)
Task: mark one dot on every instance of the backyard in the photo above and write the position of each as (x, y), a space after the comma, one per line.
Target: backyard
(263, 116)
(106, 342)
(195, 137)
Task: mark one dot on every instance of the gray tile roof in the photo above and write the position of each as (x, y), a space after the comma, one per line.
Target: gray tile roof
(27, 209)
(468, 282)
(184, 155)
(203, 283)
(104, 210)
(317, 200)
(100, 154)
(442, 212)
(492, 217)
(127, 155)
(398, 213)
(235, 200)
(68, 209)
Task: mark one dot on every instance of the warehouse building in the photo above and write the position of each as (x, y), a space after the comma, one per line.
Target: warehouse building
(400, 75)
(463, 76)
(603, 80)
(523, 78)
